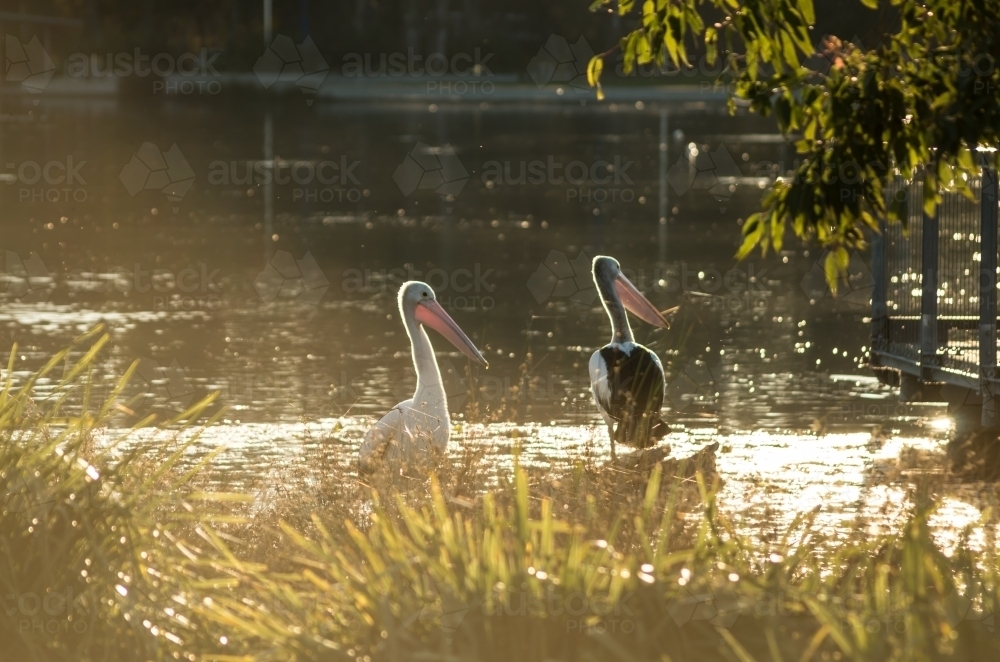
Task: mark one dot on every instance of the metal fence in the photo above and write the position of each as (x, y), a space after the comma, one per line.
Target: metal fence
(934, 291)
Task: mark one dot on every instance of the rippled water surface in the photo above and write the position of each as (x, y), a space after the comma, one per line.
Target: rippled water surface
(281, 296)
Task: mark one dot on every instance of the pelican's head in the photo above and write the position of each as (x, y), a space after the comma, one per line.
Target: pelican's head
(417, 302)
(606, 269)
(611, 281)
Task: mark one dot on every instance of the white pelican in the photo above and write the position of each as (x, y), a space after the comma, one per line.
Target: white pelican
(415, 427)
(627, 378)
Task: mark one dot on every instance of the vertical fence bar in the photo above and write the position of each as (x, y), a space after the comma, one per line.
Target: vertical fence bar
(988, 295)
(880, 320)
(664, 138)
(268, 21)
(928, 302)
(269, 187)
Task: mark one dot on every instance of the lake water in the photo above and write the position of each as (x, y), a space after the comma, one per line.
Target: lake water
(256, 250)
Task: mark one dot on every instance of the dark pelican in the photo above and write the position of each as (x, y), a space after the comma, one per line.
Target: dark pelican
(415, 428)
(627, 378)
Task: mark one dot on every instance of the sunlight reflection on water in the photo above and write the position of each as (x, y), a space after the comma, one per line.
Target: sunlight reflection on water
(853, 480)
(751, 349)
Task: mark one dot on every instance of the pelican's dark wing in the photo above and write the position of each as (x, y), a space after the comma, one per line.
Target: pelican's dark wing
(634, 387)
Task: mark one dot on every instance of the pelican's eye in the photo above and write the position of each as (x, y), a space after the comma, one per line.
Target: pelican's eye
(424, 294)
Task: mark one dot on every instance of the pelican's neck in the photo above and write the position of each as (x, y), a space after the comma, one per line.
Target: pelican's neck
(621, 332)
(424, 361)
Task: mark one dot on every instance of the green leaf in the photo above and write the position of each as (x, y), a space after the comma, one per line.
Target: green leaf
(711, 49)
(831, 271)
(777, 233)
(644, 53)
(871, 4)
(752, 232)
(965, 158)
(788, 51)
(694, 21)
(594, 69)
(648, 13)
(809, 132)
(671, 43)
(628, 52)
(869, 220)
(808, 13)
(942, 100)
(930, 201)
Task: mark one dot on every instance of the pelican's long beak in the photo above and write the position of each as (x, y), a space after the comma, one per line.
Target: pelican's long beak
(430, 313)
(637, 304)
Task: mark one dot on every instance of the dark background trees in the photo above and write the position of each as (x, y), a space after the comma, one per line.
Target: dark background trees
(512, 30)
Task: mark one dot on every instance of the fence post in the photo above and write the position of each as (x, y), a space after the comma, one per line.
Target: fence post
(664, 163)
(928, 302)
(880, 321)
(988, 294)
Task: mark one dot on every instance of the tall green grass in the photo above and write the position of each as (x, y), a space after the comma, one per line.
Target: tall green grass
(77, 523)
(127, 557)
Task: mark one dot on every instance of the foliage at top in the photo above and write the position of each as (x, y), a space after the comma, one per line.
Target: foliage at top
(925, 98)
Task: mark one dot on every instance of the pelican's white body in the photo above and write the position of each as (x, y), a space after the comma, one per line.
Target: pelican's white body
(417, 429)
(599, 385)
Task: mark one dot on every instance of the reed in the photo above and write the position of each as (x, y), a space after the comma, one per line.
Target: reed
(121, 546)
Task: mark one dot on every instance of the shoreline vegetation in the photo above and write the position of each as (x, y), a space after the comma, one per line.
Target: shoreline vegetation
(115, 552)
